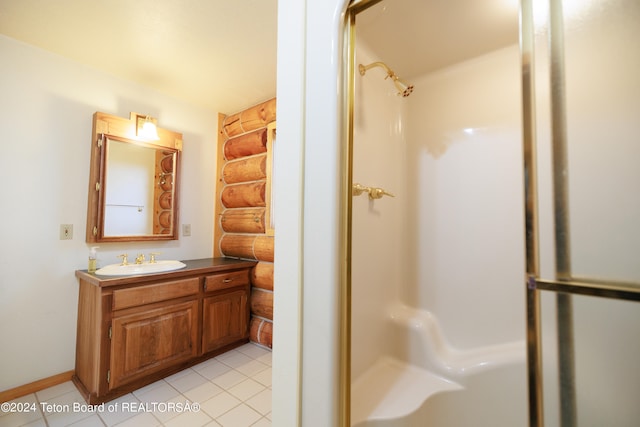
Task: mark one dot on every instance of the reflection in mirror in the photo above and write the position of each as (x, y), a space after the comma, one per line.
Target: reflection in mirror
(136, 202)
(134, 183)
(271, 179)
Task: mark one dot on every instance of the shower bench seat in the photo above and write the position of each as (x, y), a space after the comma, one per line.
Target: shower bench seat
(392, 389)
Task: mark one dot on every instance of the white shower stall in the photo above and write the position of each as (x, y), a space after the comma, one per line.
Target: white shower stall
(438, 304)
(437, 270)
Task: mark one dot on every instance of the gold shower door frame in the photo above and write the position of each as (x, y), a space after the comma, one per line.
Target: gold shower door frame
(564, 285)
(348, 84)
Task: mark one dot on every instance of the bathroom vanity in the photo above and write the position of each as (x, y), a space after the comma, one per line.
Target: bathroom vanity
(134, 330)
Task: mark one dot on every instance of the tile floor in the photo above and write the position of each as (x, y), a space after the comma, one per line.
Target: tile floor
(230, 390)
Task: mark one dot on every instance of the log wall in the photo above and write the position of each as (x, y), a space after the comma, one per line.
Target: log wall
(242, 206)
(163, 193)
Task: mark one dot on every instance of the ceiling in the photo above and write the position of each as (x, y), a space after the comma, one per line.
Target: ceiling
(221, 54)
(414, 37)
(217, 54)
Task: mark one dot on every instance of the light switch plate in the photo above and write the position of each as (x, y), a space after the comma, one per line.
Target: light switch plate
(66, 231)
(186, 229)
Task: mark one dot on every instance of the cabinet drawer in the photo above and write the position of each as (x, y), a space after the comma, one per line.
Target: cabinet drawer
(132, 297)
(226, 280)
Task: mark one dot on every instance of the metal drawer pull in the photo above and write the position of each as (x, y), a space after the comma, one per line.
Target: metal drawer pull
(227, 280)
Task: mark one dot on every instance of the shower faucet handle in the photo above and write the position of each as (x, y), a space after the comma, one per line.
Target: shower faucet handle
(358, 189)
(377, 193)
(374, 192)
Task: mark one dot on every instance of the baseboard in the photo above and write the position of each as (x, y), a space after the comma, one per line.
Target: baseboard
(23, 390)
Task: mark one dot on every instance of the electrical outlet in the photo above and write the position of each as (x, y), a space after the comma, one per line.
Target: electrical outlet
(66, 231)
(186, 229)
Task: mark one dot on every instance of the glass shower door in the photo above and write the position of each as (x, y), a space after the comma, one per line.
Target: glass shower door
(581, 99)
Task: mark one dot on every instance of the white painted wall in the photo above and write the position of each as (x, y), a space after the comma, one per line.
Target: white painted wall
(309, 52)
(46, 112)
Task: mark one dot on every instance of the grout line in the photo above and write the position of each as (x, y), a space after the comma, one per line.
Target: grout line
(181, 395)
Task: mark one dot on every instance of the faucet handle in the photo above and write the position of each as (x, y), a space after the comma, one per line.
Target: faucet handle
(377, 193)
(358, 189)
(152, 257)
(124, 259)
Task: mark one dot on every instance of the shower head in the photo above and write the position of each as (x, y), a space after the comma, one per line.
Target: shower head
(404, 89)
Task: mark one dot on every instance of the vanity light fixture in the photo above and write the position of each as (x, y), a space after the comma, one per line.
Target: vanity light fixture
(146, 127)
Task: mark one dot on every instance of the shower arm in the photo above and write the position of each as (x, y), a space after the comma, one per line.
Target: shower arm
(404, 88)
(364, 68)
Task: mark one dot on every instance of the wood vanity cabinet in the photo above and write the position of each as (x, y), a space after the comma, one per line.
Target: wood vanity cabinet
(134, 330)
(224, 305)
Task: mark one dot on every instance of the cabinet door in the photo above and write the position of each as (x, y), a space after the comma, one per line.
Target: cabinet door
(151, 340)
(225, 319)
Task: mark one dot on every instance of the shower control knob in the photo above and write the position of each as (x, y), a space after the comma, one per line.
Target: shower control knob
(358, 189)
(377, 193)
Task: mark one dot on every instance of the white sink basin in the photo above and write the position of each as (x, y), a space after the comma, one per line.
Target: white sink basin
(145, 268)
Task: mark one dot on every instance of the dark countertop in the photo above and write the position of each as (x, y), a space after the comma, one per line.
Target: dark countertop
(194, 267)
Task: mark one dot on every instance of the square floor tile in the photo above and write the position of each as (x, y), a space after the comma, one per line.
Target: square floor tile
(190, 418)
(240, 416)
(144, 419)
(263, 377)
(38, 423)
(203, 392)
(226, 354)
(266, 358)
(220, 404)
(29, 412)
(229, 379)
(59, 410)
(261, 402)
(91, 421)
(149, 387)
(161, 392)
(246, 389)
(56, 390)
(163, 410)
(212, 368)
(120, 409)
(186, 382)
(253, 351)
(236, 359)
(262, 422)
(251, 368)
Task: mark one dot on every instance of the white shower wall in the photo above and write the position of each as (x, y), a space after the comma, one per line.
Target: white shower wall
(451, 241)
(466, 200)
(377, 226)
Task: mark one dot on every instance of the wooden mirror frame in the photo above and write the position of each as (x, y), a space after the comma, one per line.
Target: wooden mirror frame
(106, 126)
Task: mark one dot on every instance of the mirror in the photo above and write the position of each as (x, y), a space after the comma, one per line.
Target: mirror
(133, 186)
